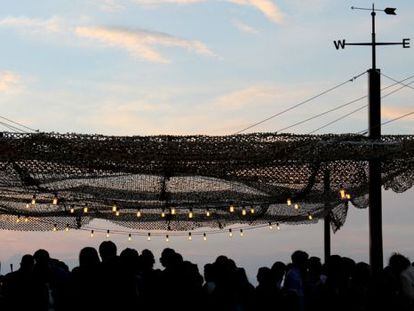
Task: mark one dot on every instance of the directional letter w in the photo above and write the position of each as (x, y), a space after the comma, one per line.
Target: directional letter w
(339, 44)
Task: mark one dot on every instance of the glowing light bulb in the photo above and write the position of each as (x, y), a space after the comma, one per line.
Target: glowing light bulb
(289, 202)
(167, 238)
(67, 228)
(230, 233)
(72, 209)
(190, 213)
(114, 208)
(85, 209)
(139, 214)
(277, 226)
(149, 236)
(55, 200)
(189, 236)
(26, 219)
(204, 237)
(33, 200)
(252, 210)
(129, 237)
(231, 208)
(342, 193)
(107, 233)
(270, 226)
(173, 211)
(18, 218)
(92, 233)
(241, 232)
(117, 213)
(162, 214)
(27, 205)
(310, 217)
(54, 227)
(348, 196)
(208, 213)
(297, 206)
(244, 211)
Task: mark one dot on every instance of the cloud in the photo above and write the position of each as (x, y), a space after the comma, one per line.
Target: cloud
(140, 43)
(395, 112)
(110, 6)
(244, 27)
(267, 7)
(8, 81)
(34, 25)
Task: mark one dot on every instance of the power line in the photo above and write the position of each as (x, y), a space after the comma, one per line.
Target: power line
(19, 124)
(395, 80)
(300, 104)
(344, 105)
(11, 127)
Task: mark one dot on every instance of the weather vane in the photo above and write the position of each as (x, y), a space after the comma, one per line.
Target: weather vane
(340, 44)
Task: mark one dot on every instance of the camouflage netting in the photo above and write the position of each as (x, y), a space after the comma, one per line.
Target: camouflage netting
(256, 173)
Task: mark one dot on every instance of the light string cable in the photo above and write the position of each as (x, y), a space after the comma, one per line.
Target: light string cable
(16, 126)
(300, 103)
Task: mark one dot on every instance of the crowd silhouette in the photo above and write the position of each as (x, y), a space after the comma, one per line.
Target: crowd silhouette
(129, 281)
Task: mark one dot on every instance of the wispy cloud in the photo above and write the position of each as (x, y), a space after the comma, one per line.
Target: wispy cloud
(244, 27)
(34, 25)
(110, 5)
(9, 81)
(395, 112)
(140, 43)
(267, 7)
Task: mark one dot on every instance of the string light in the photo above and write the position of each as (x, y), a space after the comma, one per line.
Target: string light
(289, 202)
(277, 226)
(204, 237)
(348, 196)
(107, 233)
(117, 213)
(173, 211)
(163, 213)
(26, 219)
(270, 226)
(149, 236)
(244, 211)
(54, 227)
(92, 233)
(231, 208)
(67, 228)
(139, 213)
(55, 200)
(190, 213)
(72, 209)
(230, 233)
(342, 193)
(18, 218)
(27, 205)
(208, 213)
(114, 208)
(241, 232)
(310, 217)
(129, 237)
(167, 238)
(189, 236)
(252, 210)
(33, 200)
(86, 209)
(297, 206)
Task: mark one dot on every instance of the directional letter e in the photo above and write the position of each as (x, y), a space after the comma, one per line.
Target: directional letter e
(406, 43)
(339, 44)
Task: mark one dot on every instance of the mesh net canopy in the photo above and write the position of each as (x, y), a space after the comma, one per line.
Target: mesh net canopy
(187, 182)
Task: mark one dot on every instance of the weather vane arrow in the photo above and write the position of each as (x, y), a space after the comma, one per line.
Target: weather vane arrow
(340, 44)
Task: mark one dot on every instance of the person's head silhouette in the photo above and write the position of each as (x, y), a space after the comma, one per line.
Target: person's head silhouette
(107, 250)
(88, 257)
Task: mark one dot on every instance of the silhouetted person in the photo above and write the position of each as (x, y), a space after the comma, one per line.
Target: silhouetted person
(278, 271)
(296, 277)
(267, 292)
(84, 283)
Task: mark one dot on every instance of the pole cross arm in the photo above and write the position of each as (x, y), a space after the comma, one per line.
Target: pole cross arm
(340, 44)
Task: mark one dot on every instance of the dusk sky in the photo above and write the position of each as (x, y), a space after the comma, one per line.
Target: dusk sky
(143, 67)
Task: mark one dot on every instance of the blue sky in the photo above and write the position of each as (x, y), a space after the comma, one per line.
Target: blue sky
(141, 67)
